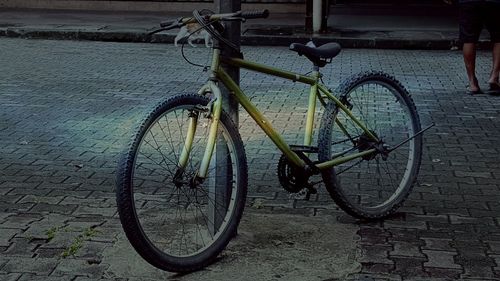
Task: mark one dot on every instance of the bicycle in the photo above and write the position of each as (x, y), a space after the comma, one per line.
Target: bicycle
(182, 183)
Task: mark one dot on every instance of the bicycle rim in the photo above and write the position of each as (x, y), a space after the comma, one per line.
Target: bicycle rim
(184, 224)
(373, 187)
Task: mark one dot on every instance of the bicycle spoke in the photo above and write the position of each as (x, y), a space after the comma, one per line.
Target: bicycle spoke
(370, 186)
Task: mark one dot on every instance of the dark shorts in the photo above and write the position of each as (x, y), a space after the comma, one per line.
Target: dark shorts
(476, 15)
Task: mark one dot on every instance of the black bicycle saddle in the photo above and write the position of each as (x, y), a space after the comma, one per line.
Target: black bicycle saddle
(321, 55)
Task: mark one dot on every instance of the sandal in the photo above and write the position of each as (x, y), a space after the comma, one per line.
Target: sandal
(474, 93)
(494, 89)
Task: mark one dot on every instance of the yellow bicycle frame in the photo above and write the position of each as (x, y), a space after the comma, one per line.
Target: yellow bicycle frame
(316, 92)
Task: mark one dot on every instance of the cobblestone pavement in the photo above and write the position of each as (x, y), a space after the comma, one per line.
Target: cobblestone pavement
(66, 109)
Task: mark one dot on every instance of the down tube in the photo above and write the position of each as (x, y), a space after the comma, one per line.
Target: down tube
(259, 118)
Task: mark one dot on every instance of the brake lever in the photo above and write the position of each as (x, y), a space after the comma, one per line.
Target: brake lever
(176, 24)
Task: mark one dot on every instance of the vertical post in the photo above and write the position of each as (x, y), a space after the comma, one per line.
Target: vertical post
(220, 186)
(309, 23)
(233, 33)
(325, 12)
(317, 16)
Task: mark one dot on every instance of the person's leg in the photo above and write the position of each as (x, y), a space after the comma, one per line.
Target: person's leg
(495, 71)
(492, 22)
(469, 52)
(470, 29)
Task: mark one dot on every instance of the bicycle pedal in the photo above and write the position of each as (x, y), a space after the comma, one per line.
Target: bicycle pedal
(301, 195)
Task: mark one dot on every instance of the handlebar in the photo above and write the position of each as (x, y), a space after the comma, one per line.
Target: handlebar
(167, 23)
(255, 14)
(211, 23)
(240, 15)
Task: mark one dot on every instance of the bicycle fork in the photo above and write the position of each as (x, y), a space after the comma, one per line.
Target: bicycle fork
(214, 110)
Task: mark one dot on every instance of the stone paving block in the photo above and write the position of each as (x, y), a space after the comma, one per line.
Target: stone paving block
(10, 198)
(21, 247)
(41, 199)
(52, 253)
(376, 268)
(377, 254)
(437, 244)
(92, 250)
(39, 229)
(4, 190)
(60, 237)
(104, 212)
(405, 235)
(9, 276)
(441, 259)
(15, 207)
(493, 247)
(6, 234)
(33, 277)
(406, 249)
(471, 220)
(53, 208)
(405, 223)
(79, 267)
(468, 245)
(74, 193)
(409, 266)
(496, 259)
(373, 235)
(475, 265)
(39, 266)
(443, 273)
(374, 277)
(82, 278)
(28, 190)
(21, 220)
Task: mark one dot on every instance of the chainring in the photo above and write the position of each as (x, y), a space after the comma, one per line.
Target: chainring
(292, 178)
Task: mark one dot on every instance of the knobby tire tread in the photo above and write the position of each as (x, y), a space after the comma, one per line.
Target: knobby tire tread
(125, 200)
(331, 111)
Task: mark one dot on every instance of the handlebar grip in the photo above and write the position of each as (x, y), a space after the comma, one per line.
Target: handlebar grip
(166, 23)
(255, 14)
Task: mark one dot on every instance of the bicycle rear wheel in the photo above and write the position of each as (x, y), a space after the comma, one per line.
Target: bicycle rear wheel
(373, 186)
(173, 221)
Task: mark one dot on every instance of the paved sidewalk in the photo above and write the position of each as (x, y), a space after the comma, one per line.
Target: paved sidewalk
(361, 30)
(66, 111)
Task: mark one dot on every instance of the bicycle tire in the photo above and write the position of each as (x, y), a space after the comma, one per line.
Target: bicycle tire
(356, 183)
(145, 174)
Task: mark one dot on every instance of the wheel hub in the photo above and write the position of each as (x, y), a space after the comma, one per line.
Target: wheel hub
(365, 143)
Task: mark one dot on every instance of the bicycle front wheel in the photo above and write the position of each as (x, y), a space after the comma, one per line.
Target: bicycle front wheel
(174, 221)
(373, 186)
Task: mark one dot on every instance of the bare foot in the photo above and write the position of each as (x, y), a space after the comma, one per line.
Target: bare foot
(474, 85)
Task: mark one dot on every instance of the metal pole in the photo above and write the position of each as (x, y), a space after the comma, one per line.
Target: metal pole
(220, 186)
(325, 12)
(233, 33)
(316, 9)
(308, 18)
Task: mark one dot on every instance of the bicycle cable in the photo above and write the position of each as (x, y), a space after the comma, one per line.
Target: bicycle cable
(186, 40)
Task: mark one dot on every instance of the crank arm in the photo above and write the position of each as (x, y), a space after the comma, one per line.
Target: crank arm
(410, 138)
